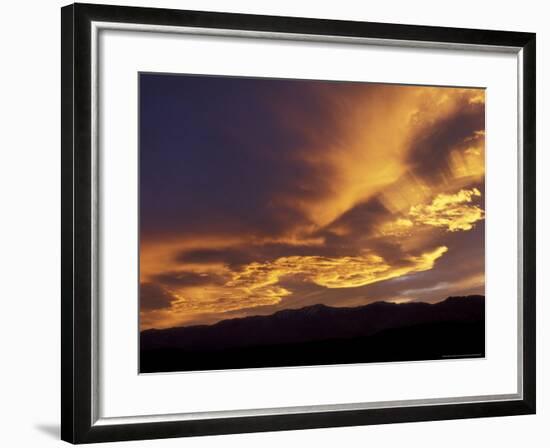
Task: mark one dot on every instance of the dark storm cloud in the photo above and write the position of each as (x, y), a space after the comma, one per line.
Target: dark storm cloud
(432, 146)
(187, 278)
(153, 297)
(364, 217)
(230, 256)
(227, 178)
(238, 256)
(349, 231)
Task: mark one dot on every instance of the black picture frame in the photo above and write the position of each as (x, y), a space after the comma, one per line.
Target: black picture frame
(77, 322)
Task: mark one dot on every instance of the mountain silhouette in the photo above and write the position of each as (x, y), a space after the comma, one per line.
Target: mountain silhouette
(319, 334)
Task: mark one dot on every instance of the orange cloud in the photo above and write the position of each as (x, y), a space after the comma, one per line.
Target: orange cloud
(258, 284)
(449, 210)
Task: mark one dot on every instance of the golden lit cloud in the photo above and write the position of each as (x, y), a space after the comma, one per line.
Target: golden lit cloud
(452, 211)
(342, 272)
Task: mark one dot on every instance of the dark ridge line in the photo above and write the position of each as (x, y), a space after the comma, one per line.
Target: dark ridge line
(319, 306)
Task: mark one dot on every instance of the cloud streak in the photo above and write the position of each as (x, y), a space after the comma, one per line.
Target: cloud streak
(451, 211)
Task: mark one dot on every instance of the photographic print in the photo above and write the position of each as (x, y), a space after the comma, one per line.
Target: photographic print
(288, 222)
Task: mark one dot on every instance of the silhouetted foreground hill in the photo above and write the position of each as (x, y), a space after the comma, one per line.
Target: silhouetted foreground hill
(378, 332)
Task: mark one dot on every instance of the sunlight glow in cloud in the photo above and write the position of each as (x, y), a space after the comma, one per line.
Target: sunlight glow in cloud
(452, 211)
(343, 272)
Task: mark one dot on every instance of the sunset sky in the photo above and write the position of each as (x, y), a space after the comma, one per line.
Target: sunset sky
(258, 195)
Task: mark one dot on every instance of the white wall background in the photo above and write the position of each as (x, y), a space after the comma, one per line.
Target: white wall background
(30, 209)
